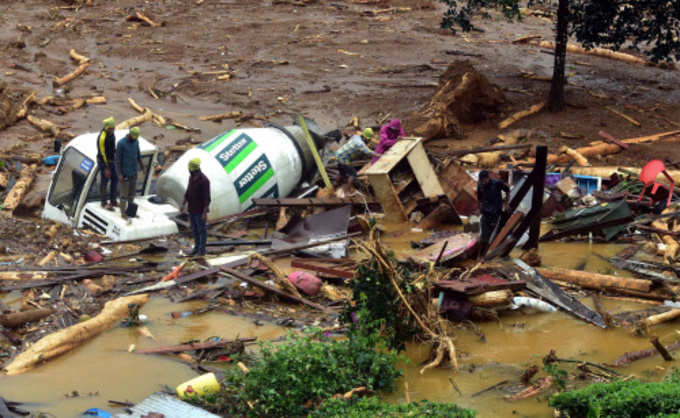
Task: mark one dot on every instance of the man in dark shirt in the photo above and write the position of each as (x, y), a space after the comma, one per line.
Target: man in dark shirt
(106, 157)
(197, 197)
(128, 160)
(491, 205)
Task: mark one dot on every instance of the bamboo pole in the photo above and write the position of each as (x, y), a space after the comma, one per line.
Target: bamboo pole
(598, 52)
(80, 59)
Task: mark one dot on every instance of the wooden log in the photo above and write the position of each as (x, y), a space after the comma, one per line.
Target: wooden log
(631, 356)
(219, 117)
(661, 349)
(278, 275)
(20, 188)
(650, 321)
(22, 275)
(80, 59)
(135, 106)
(23, 111)
(599, 52)
(43, 125)
(72, 75)
(17, 319)
(672, 246)
(66, 339)
(147, 20)
(48, 258)
(575, 155)
(520, 115)
(4, 180)
(137, 120)
(96, 100)
(595, 280)
(493, 298)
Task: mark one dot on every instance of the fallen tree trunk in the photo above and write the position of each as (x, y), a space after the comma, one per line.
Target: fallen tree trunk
(72, 75)
(68, 338)
(20, 188)
(17, 319)
(595, 280)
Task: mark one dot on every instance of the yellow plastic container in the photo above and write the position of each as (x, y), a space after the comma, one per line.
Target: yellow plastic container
(198, 386)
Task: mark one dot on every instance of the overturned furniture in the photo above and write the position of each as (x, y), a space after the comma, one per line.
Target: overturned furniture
(403, 179)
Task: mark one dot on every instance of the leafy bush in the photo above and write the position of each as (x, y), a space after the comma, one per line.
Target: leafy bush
(374, 297)
(622, 399)
(373, 407)
(292, 378)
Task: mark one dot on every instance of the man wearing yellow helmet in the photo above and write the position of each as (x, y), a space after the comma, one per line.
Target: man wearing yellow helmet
(129, 163)
(106, 156)
(197, 197)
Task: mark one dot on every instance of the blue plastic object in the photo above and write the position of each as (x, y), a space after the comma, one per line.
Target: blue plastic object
(51, 160)
(96, 412)
(588, 184)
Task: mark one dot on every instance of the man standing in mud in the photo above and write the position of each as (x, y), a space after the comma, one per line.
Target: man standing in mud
(491, 201)
(197, 197)
(129, 163)
(106, 158)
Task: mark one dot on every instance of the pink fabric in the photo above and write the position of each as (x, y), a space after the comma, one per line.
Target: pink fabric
(306, 282)
(389, 135)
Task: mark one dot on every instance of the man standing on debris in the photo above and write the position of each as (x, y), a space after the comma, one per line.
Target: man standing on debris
(198, 198)
(491, 204)
(128, 160)
(355, 148)
(106, 157)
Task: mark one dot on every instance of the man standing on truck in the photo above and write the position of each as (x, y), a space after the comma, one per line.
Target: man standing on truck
(129, 163)
(491, 203)
(106, 157)
(197, 197)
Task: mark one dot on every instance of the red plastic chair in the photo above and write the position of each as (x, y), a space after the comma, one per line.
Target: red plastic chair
(648, 176)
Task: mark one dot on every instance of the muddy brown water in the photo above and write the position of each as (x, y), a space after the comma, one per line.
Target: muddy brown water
(103, 367)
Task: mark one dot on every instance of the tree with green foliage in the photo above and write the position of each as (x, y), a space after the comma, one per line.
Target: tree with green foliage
(654, 24)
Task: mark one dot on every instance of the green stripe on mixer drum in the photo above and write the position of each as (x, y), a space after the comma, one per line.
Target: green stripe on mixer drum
(256, 186)
(215, 142)
(236, 160)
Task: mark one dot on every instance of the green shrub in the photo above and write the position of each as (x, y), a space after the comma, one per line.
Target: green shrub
(293, 378)
(374, 297)
(373, 407)
(622, 399)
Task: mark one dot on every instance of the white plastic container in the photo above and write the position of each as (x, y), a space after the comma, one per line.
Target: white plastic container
(242, 164)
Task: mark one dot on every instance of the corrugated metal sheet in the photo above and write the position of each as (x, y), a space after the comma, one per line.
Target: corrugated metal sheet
(169, 406)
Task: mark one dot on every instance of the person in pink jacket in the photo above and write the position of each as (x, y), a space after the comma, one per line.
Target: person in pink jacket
(389, 135)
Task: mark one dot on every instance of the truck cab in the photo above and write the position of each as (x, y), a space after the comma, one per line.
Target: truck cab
(74, 197)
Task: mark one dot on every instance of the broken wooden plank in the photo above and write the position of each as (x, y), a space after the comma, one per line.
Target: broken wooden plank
(334, 272)
(558, 297)
(193, 346)
(314, 202)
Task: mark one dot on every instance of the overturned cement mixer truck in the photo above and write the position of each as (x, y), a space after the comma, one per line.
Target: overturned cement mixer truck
(242, 164)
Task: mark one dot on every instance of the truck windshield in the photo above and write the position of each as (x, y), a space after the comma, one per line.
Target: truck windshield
(95, 195)
(67, 186)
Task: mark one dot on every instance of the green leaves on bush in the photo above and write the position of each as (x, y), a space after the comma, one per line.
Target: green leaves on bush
(376, 306)
(373, 407)
(622, 399)
(292, 378)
